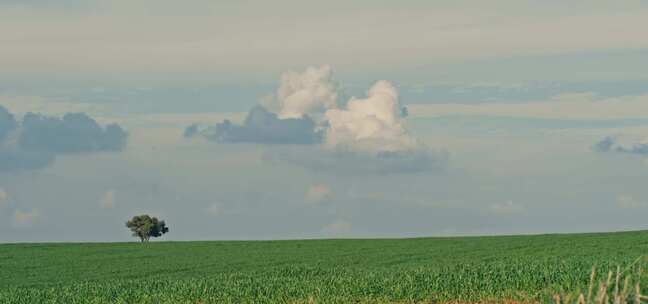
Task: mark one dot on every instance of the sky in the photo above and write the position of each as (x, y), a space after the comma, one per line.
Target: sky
(323, 119)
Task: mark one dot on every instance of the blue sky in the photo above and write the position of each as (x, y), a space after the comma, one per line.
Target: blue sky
(505, 103)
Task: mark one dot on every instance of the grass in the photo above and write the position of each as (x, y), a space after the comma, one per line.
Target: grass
(466, 269)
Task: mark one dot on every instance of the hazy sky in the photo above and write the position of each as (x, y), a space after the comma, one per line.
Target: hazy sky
(521, 117)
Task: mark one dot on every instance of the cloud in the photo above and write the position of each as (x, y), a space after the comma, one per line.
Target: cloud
(74, 133)
(373, 124)
(107, 201)
(39, 139)
(370, 125)
(318, 193)
(365, 135)
(300, 95)
(605, 145)
(264, 127)
(639, 148)
(310, 92)
(7, 123)
(612, 144)
(191, 131)
(25, 218)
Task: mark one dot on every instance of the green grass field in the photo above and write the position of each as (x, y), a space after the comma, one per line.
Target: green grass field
(321, 271)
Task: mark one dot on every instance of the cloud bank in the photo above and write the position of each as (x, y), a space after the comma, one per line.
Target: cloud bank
(362, 135)
(7, 123)
(74, 133)
(612, 144)
(35, 142)
(263, 127)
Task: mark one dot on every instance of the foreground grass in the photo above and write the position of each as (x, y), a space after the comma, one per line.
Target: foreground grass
(525, 268)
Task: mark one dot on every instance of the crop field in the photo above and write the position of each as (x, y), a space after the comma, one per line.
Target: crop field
(428, 270)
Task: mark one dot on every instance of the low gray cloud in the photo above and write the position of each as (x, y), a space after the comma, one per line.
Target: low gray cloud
(191, 131)
(635, 149)
(350, 162)
(261, 126)
(39, 139)
(611, 144)
(74, 133)
(605, 145)
(7, 123)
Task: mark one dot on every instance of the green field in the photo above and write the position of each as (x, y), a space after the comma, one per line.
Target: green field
(321, 271)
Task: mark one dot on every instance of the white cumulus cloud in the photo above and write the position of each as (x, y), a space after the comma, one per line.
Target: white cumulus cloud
(308, 92)
(372, 124)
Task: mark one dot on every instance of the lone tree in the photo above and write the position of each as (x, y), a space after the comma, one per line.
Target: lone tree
(145, 227)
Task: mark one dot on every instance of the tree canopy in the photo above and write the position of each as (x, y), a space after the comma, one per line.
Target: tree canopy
(145, 227)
